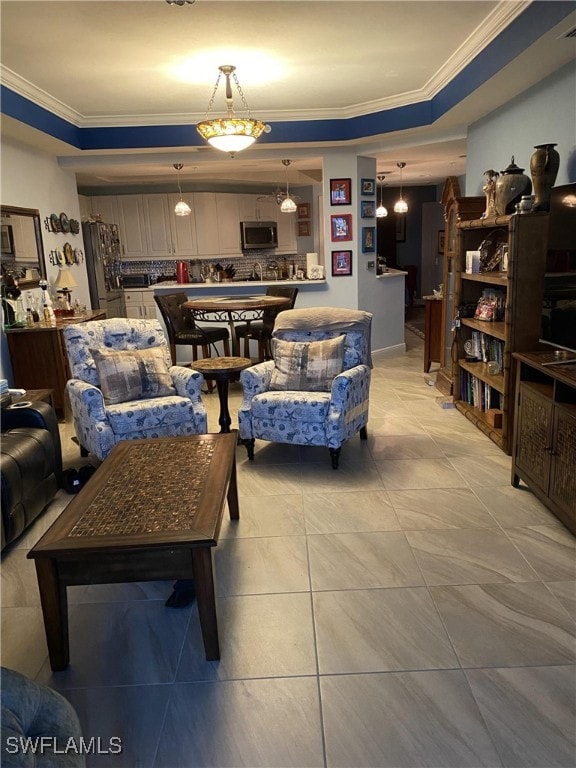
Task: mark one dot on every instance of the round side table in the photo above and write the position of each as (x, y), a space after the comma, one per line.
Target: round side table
(223, 370)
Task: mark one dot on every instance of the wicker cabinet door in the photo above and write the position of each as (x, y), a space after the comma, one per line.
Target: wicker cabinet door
(534, 436)
(563, 470)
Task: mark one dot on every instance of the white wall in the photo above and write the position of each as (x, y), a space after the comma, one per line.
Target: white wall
(32, 179)
(543, 114)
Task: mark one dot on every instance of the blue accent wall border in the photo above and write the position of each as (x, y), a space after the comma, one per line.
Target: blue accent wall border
(538, 18)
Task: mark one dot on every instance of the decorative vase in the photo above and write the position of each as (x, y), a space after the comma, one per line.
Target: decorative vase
(510, 186)
(544, 165)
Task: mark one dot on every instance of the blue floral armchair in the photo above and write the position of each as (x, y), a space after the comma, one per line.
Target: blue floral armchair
(124, 386)
(310, 395)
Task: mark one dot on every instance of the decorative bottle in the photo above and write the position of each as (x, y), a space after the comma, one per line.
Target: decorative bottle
(544, 165)
(510, 186)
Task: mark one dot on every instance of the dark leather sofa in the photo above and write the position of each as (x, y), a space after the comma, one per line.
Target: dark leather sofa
(31, 465)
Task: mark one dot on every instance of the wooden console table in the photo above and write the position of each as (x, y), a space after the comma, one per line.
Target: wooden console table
(39, 359)
(544, 453)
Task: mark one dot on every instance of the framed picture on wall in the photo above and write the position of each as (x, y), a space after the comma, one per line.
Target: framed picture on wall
(341, 227)
(367, 186)
(341, 263)
(367, 209)
(368, 239)
(304, 210)
(303, 228)
(340, 191)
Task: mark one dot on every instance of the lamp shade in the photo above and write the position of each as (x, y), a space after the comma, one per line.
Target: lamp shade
(182, 209)
(65, 279)
(288, 205)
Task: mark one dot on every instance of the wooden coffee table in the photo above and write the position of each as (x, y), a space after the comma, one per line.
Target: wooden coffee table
(151, 511)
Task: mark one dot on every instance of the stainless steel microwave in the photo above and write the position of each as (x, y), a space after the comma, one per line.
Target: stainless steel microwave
(137, 281)
(258, 234)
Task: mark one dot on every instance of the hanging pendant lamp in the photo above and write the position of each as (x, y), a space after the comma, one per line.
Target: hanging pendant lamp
(181, 208)
(288, 205)
(231, 133)
(381, 211)
(400, 206)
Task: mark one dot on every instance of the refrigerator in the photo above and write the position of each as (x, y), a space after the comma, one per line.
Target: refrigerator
(103, 255)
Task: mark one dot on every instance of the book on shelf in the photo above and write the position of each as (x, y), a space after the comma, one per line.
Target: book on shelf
(478, 393)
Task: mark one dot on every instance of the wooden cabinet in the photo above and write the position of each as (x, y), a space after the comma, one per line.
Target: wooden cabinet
(39, 360)
(140, 304)
(484, 396)
(544, 454)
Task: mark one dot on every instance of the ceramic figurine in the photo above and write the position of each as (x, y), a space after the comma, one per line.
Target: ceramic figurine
(489, 190)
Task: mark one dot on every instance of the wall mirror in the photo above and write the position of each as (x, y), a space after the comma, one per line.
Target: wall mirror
(22, 251)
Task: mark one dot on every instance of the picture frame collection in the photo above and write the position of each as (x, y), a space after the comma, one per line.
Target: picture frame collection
(341, 223)
(303, 228)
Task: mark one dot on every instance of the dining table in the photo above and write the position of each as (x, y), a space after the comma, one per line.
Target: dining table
(234, 309)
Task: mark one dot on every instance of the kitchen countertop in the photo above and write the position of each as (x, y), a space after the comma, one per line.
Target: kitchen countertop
(253, 284)
(391, 273)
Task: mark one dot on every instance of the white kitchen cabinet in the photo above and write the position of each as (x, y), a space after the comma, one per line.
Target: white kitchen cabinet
(247, 207)
(217, 224)
(106, 207)
(286, 232)
(140, 304)
(228, 225)
(206, 224)
(157, 225)
(132, 227)
(184, 238)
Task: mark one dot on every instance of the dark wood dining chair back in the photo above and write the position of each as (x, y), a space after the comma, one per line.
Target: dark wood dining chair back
(182, 330)
(261, 330)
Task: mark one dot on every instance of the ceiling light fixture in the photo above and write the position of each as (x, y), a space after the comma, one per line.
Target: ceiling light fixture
(400, 206)
(181, 208)
(230, 134)
(180, 2)
(288, 205)
(381, 211)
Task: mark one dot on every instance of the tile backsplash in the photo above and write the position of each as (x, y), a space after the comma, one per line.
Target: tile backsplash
(244, 265)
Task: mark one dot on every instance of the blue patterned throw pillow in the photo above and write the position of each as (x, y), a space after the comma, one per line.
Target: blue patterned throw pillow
(306, 366)
(135, 374)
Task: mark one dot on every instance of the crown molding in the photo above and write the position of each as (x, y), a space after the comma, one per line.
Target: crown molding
(496, 21)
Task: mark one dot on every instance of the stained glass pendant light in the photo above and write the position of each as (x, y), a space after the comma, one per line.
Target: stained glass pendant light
(288, 205)
(400, 206)
(230, 133)
(381, 211)
(181, 208)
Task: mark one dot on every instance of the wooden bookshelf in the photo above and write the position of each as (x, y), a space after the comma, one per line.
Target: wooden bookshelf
(518, 331)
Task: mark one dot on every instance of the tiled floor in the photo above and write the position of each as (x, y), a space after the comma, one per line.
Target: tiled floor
(411, 609)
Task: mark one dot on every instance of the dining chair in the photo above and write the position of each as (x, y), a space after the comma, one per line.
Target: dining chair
(183, 331)
(261, 330)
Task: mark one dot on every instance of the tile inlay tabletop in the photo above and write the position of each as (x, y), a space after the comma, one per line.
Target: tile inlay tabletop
(152, 511)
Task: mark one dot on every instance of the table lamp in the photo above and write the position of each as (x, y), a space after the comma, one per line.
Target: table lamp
(63, 283)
